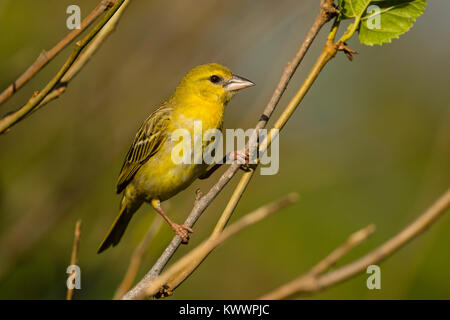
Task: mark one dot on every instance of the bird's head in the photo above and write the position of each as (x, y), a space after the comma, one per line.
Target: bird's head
(211, 83)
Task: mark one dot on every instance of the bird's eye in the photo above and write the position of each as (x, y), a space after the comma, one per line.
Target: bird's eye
(214, 79)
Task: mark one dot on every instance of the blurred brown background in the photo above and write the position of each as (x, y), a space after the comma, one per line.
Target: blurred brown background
(369, 145)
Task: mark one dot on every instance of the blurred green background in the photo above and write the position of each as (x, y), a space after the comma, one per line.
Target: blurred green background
(371, 144)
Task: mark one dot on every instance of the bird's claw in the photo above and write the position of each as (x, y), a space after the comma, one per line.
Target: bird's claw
(242, 157)
(183, 231)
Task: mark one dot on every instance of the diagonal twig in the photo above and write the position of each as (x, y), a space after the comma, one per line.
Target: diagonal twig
(190, 267)
(85, 56)
(12, 118)
(74, 257)
(331, 259)
(313, 282)
(46, 56)
(194, 257)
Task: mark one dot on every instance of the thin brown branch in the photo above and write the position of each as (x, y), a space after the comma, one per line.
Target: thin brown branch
(232, 203)
(181, 269)
(313, 282)
(326, 13)
(261, 213)
(12, 118)
(353, 240)
(74, 257)
(136, 258)
(85, 56)
(46, 56)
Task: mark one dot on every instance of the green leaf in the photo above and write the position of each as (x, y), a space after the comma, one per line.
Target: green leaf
(395, 17)
(352, 8)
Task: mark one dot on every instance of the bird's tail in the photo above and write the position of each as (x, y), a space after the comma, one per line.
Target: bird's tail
(118, 227)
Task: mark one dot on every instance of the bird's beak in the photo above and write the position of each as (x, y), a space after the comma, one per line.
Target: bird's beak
(237, 83)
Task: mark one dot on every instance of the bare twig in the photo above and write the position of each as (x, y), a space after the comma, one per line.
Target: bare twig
(171, 278)
(74, 257)
(85, 56)
(353, 240)
(175, 281)
(136, 258)
(326, 13)
(46, 56)
(12, 118)
(312, 282)
(232, 203)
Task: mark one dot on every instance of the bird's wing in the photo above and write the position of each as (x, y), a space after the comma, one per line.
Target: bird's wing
(147, 142)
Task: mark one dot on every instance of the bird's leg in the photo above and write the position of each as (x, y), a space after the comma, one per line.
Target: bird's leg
(181, 230)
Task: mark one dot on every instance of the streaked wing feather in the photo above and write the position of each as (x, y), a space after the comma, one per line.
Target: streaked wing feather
(147, 142)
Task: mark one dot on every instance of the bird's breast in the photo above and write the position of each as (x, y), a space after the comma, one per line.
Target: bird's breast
(164, 175)
(161, 177)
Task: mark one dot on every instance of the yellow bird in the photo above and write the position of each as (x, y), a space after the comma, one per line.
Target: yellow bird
(148, 173)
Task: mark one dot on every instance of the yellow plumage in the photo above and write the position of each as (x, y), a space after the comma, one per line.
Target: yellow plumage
(149, 174)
